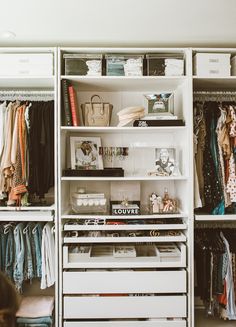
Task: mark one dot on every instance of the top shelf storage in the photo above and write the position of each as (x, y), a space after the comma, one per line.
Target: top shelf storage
(132, 62)
(214, 63)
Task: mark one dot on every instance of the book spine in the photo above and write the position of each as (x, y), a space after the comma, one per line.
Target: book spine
(73, 106)
(66, 103)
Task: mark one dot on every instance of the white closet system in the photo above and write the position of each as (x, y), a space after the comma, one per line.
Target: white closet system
(168, 286)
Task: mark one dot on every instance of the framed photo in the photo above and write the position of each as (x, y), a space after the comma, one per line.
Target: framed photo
(161, 104)
(85, 153)
(165, 162)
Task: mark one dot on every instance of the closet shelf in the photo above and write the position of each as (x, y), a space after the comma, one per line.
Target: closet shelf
(115, 129)
(126, 178)
(26, 216)
(66, 215)
(112, 262)
(215, 218)
(131, 239)
(126, 227)
(29, 208)
(126, 83)
(27, 81)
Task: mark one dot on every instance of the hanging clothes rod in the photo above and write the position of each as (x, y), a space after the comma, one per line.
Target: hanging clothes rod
(217, 225)
(30, 95)
(214, 95)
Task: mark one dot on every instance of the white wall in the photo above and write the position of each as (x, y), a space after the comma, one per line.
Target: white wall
(119, 22)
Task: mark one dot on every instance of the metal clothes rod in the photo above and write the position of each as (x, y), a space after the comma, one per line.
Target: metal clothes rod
(30, 95)
(217, 225)
(214, 96)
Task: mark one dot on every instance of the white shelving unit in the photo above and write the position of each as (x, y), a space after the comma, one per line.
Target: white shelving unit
(123, 92)
(22, 85)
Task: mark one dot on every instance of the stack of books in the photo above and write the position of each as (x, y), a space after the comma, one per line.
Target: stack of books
(70, 107)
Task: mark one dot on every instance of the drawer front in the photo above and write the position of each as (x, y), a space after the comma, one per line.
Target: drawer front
(26, 64)
(160, 323)
(124, 282)
(73, 261)
(89, 307)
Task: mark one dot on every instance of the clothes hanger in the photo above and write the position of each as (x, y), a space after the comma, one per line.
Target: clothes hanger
(6, 227)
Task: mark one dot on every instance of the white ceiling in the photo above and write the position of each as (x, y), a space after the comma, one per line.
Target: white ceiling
(119, 22)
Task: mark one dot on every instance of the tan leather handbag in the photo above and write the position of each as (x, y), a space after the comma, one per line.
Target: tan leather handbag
(96, 113)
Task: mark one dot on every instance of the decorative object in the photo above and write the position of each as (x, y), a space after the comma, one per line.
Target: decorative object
(165, 164)
(89, 203)
(159, 105)
(125, 208)
(165, 204)
(85, 153)
(110, 152)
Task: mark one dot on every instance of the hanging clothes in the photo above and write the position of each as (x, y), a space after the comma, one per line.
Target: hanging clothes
(215, 271)
(26, 151)
(27, 252)
(215, 154)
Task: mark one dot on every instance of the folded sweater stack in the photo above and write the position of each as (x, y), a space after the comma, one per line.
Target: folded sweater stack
(36, 311)
(129, 114)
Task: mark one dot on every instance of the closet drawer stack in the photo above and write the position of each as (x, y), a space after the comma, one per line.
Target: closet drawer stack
(124, 221)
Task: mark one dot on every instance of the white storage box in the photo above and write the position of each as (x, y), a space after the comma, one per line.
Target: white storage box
(212, 64)
(26, 64)
(233, 66)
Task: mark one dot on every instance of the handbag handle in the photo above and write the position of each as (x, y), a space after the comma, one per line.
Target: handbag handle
(95, 95)
(101, 102)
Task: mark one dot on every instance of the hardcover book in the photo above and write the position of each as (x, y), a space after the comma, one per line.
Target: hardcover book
(66, 112)
(73, 106)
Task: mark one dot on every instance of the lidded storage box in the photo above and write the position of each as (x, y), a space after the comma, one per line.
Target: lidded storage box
(124, 65)
(233, 66)
(83, 64)
(212, 64)
(89, 203)
(26, 64)
(164, 65)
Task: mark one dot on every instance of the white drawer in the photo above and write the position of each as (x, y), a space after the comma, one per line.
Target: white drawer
(158, 323)
(124, 282)
(26, 64)
(99, 307)
(73, 260)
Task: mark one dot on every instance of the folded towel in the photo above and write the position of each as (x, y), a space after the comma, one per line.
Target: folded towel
(36, 306)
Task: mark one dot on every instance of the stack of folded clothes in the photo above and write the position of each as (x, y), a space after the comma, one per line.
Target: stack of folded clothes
(36, 311)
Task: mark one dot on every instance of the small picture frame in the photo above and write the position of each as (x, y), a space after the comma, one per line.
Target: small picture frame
(165, 162)
(160, 104)
(85, 153)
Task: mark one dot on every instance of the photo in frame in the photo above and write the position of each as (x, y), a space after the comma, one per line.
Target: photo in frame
(85, 153)
(166, 162)
(159, 104)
